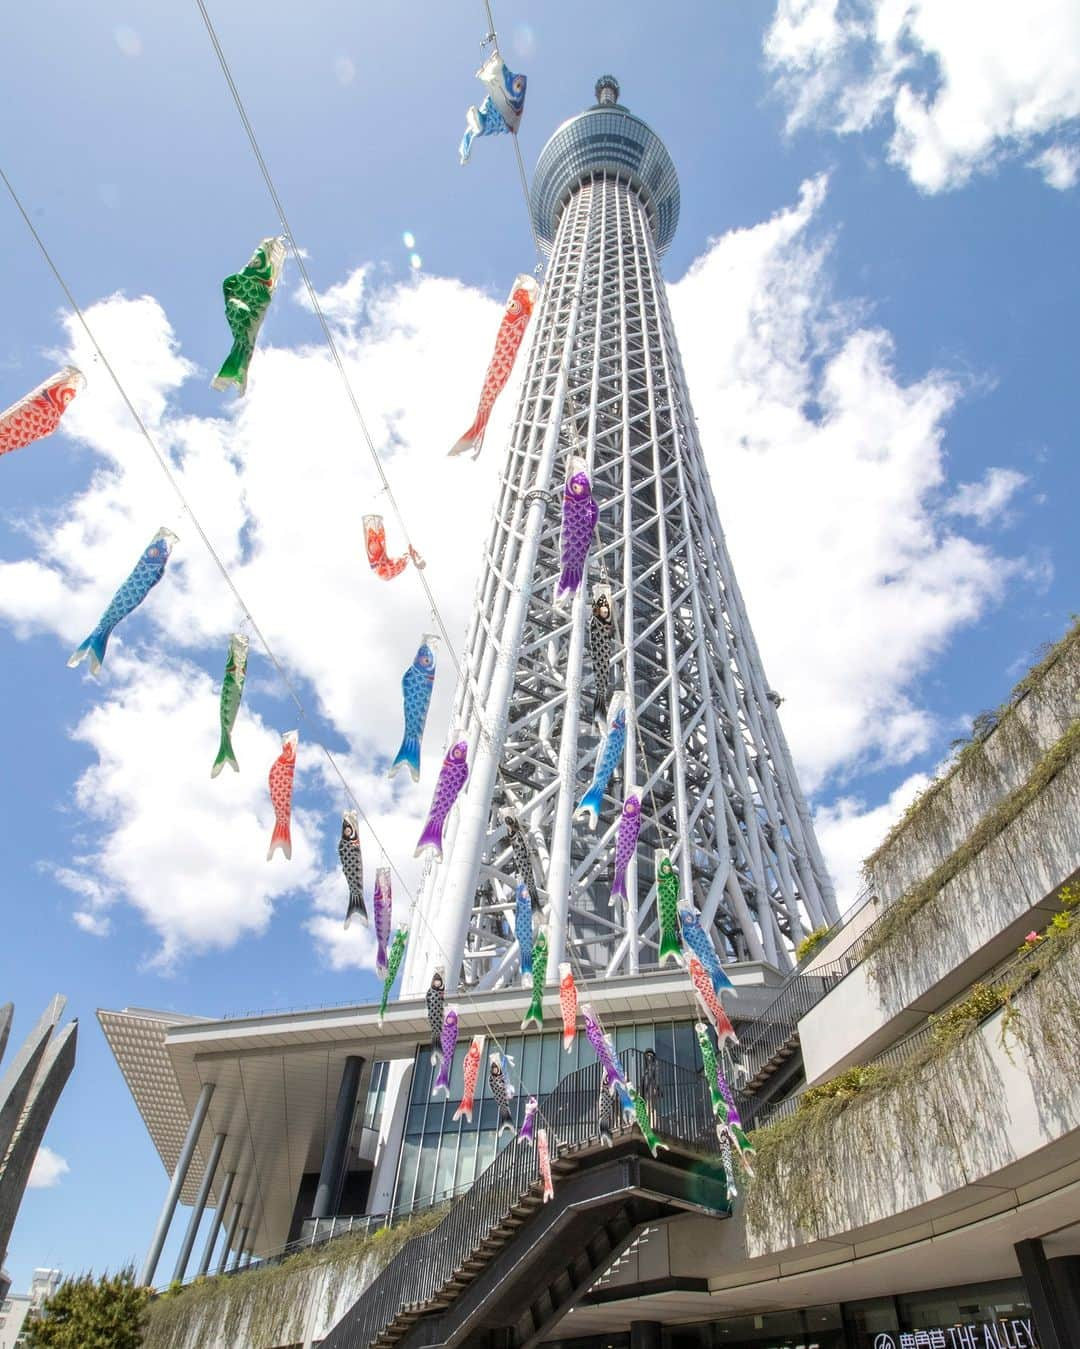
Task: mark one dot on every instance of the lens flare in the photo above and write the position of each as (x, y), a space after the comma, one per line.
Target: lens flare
(129, 42)
(524, 40)
(415, 261)
(409, 239)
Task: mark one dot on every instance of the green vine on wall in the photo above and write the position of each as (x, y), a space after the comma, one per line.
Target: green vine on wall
(268, 1304)
(898, 916)
(903, 1107)
(983, 726)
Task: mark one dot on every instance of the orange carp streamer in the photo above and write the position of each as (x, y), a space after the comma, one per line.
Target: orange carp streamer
(515, 320)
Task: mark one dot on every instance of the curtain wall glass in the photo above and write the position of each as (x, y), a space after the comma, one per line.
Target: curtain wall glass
(441, 1155)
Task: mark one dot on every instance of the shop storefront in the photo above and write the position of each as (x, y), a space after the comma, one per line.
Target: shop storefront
(976, 1316)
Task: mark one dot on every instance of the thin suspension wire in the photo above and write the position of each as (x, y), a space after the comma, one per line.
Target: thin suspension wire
(317, 307)
(288, 684)
(528, 204)
(327, 333)
(174, 483)
(313, 298)
(493, 35)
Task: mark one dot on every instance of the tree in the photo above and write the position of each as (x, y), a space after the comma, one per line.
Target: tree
(84, 1313)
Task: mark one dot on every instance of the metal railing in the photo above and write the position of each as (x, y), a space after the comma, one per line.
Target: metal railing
(804, 989)
(319, 1231)
(681, 1110)
(255, 1012)
(904, 1049)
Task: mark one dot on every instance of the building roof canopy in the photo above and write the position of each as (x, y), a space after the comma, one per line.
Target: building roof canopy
(276, 1075)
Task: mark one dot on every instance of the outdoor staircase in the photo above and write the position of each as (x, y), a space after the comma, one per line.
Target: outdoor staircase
(503, 1267)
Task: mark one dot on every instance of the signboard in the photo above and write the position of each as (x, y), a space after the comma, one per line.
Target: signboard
(1014, 1334)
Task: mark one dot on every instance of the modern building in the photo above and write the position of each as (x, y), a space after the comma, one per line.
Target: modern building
(16, 1307)
(908, 1084)
(29, 1091)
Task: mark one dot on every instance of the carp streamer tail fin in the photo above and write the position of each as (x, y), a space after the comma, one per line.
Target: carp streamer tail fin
(92, 651)
(590, 806)
(408, 756)
(280, 838)
(225, 756)
(671, 949)
(234, 368)
(431, 838)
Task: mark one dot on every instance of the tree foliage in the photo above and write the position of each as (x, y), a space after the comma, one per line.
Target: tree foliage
(88, 1313)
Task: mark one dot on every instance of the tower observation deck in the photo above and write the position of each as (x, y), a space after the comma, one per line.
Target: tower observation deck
(603, 381)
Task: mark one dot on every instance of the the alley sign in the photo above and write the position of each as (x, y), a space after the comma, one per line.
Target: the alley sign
(1014, 1334)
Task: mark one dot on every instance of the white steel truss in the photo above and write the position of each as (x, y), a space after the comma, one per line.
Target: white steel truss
(704, 745)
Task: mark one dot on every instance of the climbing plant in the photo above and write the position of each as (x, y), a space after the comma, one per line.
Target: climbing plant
(269, 1303)
(982, 727)
(916, 1113)
(810, 944)
(897, 918)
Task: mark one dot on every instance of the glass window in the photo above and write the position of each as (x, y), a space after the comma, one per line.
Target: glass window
(444, 1170)
(529, 1063)
(687, 1054)
(869, 1317)
(624, 1038)
(818, 1328)
(423, 1076)
(373, 1103)
(442, 1154)
(1002, 1306)
(550, 1066)
(466, 1168)
(406, 1183)
(425, 1170)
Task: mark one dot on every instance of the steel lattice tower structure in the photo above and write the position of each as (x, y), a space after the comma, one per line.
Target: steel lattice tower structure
(604, 381)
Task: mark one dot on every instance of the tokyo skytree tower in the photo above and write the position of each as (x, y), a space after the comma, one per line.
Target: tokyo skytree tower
(604, 383)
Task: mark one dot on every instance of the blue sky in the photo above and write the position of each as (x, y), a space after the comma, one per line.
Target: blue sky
(875, 283)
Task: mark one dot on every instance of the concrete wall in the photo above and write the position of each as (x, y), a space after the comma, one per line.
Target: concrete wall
(12, 1320)
(973, 923)
(986, 1118)
(984, 778)
(291, 1303)
(863, 916)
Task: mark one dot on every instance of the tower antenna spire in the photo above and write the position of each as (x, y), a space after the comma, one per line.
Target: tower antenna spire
(607, 91)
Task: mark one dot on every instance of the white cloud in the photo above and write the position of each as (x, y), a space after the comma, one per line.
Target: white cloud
(849, 830)
(1059, 165)
(280, 481)
(854, 574)
(97, 897)
(47, 1169)
(188, 853)
(984, 501)
(829, 472)
(962, 84)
